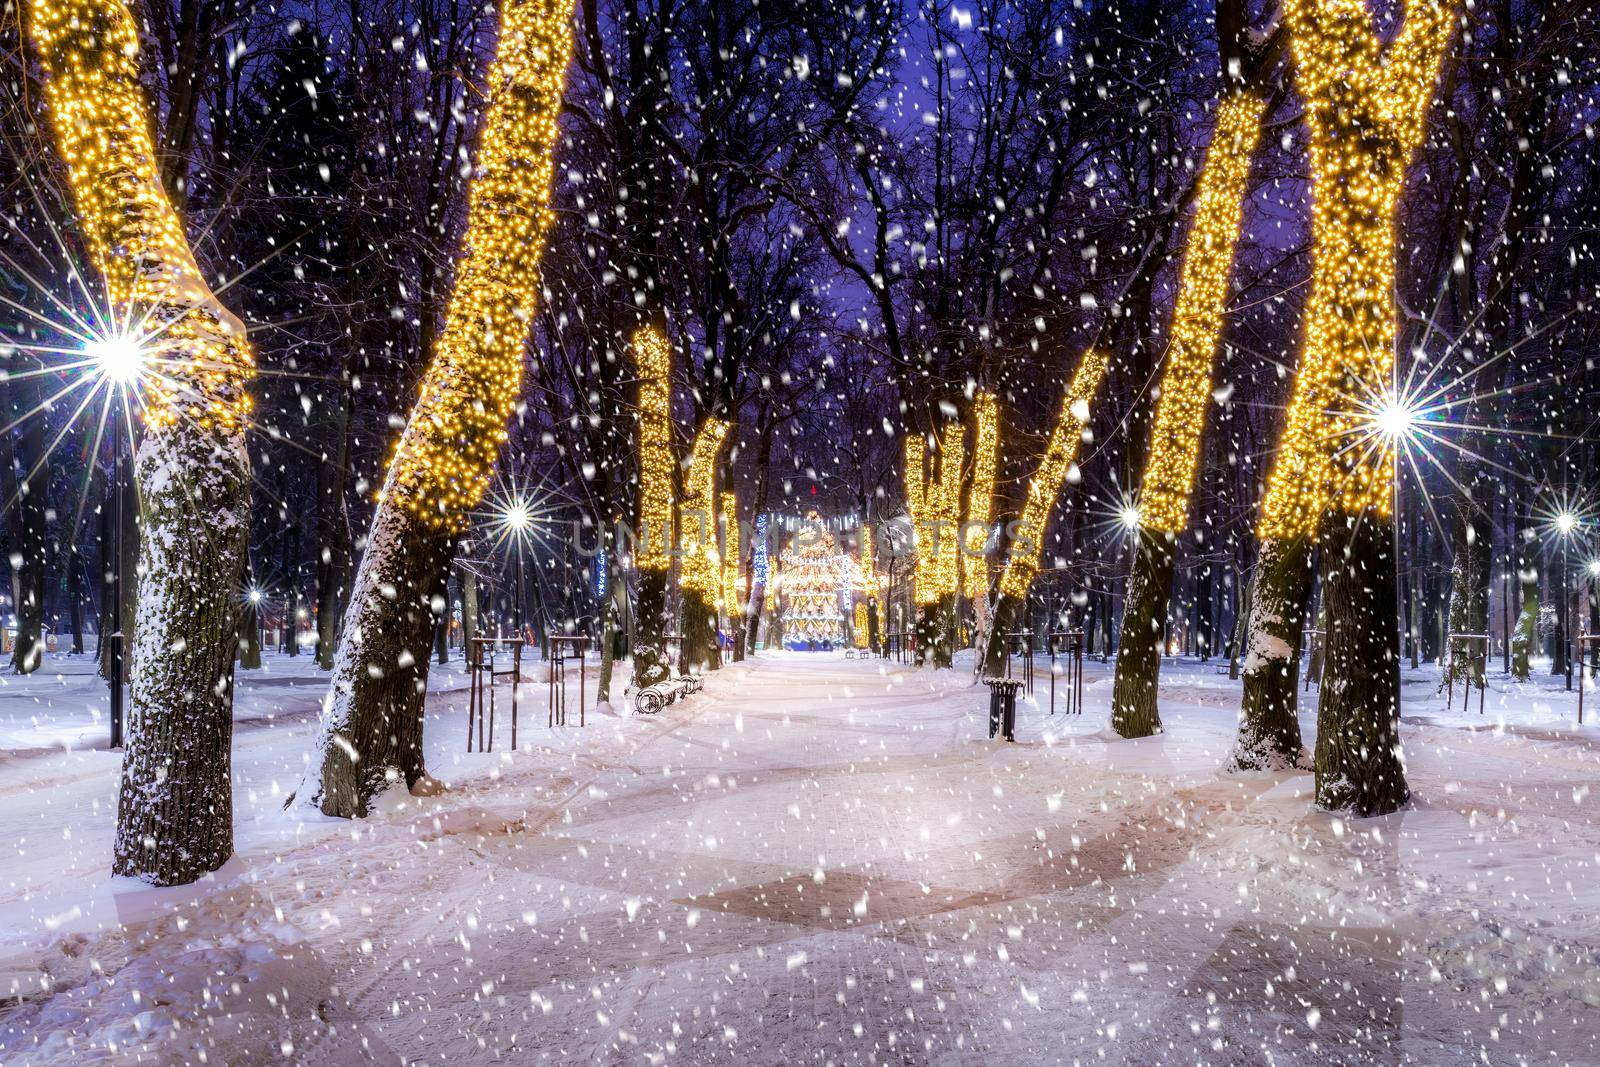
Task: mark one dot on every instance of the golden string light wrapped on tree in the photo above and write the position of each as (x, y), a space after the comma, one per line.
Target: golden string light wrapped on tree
(700, 562)
(194, 363)
(1061, 452)
(652, 359)
(1180, 416)
(980, 496)
(445, 458)
(1366, 106)
(935, 506)
(1027, 535)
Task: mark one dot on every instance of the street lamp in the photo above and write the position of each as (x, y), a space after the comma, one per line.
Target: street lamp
(516, 516)
(1566, 523)
(120, 359)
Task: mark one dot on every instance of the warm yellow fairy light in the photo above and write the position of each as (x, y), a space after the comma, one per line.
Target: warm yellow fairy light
(700, 563)
(980, 496)
(866, 566)
(935, 506)
(1197, 319)
(652, 357)
(862, 634)
(90, 51)
(732, 595)
(1366, 107)
(445, 459)
(1059, 455)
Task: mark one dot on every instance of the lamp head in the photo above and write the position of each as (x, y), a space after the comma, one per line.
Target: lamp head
(119, 357)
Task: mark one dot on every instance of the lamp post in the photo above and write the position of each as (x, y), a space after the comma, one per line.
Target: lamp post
(1566, 523)
(119, 358)
(516, 516)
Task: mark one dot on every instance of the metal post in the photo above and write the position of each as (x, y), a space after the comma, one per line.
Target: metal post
(521, 630)
(118, 473)
(1566, 609)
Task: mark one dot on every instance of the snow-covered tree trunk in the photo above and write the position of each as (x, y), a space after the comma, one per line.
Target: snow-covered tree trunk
(175, 809)
(1269, 731)
(1525, 638)
(371, 733)
(1366, 100)
(1133, 698)
(1358, 763)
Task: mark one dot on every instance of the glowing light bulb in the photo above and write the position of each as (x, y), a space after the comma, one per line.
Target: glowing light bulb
(1566, 522)
(1129, 517)
(119, 357)
(517, 515)
(1396, 418)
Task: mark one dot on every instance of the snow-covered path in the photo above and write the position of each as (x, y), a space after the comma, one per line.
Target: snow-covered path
(825, 860)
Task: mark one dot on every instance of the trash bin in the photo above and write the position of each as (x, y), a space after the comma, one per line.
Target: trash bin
(1003, 707)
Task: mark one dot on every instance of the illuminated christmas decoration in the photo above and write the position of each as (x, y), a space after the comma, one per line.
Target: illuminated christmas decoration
(169, 334)
(446, 456)
(758, 554)
(862, 633)
(812, 571)
(935, 506)
(700, 562)
(1059, 455)
(136, 241)
(1197, 319)
(732, 594)
(1366, 107)
(980, 496)
(652, 356)
(372, 725)
(868, 565)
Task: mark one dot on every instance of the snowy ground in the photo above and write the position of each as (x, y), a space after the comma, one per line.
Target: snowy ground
(819, 860)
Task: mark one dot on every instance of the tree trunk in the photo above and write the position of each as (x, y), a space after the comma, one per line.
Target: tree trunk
(175, 810)
(1527, 631)
(1269, 731)
(333, 531)
(935, 642)
(468, 583)
(753, 620)
(1002, 620)
(1358, 763)
(700, 650)
(650, 621)
(1133, 697)
(28, 544)
(1241, 630)
(372, 725)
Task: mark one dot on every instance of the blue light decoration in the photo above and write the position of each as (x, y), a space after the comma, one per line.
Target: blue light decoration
(758, 559)
(600, 576)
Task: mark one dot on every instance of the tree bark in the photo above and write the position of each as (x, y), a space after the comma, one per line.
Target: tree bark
(650, 621)
(372, 727)
(29, 550)
(1269, 731)
(1526, 635)
(1359, 767)
(1133, 697)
